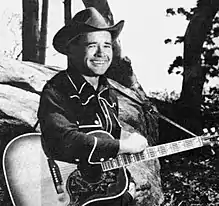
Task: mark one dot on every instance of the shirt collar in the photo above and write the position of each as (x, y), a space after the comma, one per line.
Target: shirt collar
(79, 82)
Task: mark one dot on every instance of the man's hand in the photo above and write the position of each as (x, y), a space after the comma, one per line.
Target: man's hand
(133, 144)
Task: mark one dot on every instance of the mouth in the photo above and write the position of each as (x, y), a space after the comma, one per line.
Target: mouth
(99, 62)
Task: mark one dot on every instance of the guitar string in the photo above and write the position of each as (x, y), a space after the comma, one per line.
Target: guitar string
(174, 147)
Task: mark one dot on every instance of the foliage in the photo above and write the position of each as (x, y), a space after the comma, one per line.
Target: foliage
(209, 60)
(210, 107)
(210, 51)
(164, 95)
(12, 24)
(191, 178)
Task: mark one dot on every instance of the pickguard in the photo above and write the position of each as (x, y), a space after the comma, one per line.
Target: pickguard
(81, 191)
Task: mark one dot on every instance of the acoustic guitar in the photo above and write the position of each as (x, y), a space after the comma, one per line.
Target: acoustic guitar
(35, 180)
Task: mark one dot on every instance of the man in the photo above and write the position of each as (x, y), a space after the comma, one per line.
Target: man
(80, 100)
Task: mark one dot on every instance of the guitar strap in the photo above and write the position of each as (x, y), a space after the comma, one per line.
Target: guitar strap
(54, 169)
(150, 108)
(36, 124)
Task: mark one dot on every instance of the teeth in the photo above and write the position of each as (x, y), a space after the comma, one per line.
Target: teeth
(99, 62)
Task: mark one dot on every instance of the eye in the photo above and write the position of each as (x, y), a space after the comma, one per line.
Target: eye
(91, 46)
(108, 46)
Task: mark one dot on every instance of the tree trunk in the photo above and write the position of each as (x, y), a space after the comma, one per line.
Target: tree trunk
(67, 11)
(43, 32)
(103, 7)
(67, 15)
(194, 75)
(30, 30)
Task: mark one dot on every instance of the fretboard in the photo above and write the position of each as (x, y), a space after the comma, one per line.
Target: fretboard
(152, 153)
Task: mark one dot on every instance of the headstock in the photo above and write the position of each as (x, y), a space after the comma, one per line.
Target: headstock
(210, 136)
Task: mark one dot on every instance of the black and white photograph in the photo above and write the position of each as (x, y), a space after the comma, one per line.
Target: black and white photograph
(109, 103)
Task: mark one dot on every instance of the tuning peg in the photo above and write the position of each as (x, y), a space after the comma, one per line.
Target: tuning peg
(205, 131)
(213, 130)
(213, 152)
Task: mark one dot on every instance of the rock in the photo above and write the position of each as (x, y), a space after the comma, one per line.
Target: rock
(19, 103)
(20, 87)
(146, 174)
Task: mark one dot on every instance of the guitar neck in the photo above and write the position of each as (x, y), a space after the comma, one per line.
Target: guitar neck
(152, 153)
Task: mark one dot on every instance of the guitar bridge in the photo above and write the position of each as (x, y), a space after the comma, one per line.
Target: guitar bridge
(56, 176)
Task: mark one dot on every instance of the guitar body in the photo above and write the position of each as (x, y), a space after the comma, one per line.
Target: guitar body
(29, 180)
(32, 180)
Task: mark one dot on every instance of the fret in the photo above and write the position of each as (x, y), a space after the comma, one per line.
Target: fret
(126, 160)
(106, 165)
(114, 163)
(142, 154)
(133, 158)
(109, 163)
(192, 143)
(120, 160)
(175, 147)
(188, 143)
(139, 156)
(103, 166)
(151, 152)
(178, 146)
(129, 158)
(162, 149)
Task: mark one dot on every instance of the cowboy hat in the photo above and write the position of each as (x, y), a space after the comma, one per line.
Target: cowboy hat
(87, 20)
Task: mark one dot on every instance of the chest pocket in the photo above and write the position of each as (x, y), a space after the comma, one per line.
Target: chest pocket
(88, 117)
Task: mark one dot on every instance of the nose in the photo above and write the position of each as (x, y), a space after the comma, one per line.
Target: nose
(100, 51)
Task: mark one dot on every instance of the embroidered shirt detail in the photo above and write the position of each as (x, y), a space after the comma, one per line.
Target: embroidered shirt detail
(107, 102)
(82, 87)
(117, 120)
(74, 96)
(89, 98)
(109, 121)
(85, 93)
(71, 81)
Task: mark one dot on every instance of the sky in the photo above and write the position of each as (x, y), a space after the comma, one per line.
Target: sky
(142, 39)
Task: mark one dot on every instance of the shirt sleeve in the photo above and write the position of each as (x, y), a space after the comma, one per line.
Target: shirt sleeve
(61, 138)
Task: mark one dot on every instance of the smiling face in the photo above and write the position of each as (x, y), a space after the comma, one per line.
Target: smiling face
(92, 54)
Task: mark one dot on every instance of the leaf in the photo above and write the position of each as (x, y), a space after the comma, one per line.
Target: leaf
(216, 31)
(179, 39)
(170, 11)
(181, 10)
(167, 41)
(178, 62)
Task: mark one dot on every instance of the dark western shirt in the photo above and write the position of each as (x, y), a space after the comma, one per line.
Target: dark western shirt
(69, 109)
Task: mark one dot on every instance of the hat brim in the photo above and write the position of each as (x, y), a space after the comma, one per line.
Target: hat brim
(69, 32)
